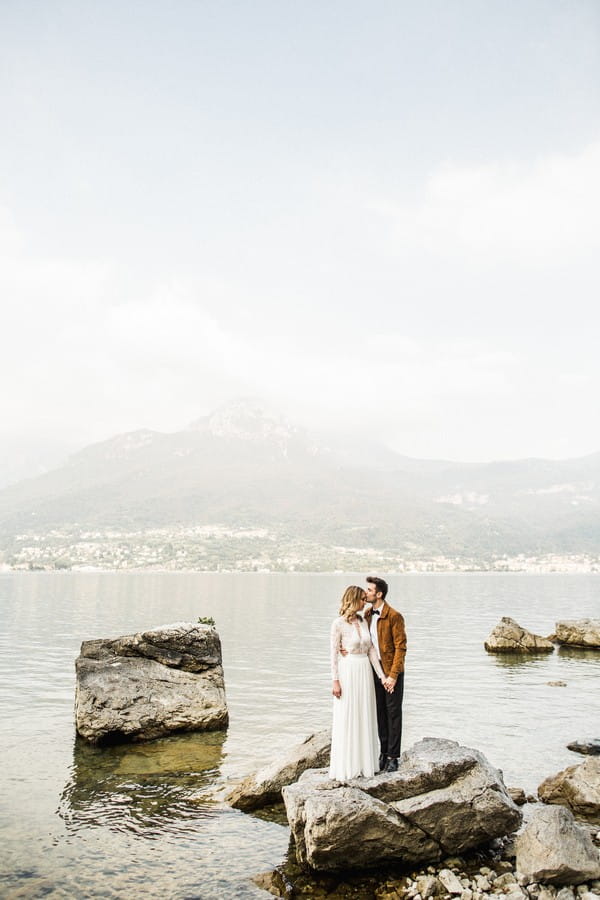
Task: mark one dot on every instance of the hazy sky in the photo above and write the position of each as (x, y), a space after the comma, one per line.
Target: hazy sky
(362, 212)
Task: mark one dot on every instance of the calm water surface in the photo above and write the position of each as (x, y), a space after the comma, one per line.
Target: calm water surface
(142, 819)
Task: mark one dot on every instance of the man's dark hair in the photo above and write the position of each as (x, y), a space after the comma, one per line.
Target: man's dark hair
(380, 585)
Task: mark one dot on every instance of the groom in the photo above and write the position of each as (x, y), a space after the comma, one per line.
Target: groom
(389, 639)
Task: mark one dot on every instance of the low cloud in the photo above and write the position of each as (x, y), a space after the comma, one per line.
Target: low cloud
(92, 349)
(547, 211)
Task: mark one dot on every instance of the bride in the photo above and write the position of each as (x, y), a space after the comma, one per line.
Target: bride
(354, 741)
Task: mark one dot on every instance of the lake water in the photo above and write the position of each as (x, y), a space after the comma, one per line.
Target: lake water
(140, 819)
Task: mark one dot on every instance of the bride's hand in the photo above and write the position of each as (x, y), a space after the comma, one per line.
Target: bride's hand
(337, 689)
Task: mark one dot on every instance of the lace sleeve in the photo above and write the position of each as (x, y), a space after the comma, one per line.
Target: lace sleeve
(335, 643)
(375, 662)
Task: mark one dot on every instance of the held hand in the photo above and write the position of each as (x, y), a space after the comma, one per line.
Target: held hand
(389, 684)
(337, 689)
(384, 684)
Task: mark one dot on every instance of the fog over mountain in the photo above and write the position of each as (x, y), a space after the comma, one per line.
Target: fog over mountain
(244, 467)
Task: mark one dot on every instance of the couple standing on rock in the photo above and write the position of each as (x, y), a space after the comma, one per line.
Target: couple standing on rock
(368, 646)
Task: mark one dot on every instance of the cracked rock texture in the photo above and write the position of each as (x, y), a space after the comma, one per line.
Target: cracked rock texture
(577, 787)
(443, 799)
(579, 632)
(553, 849)
(265, 786)
(143, 686)
(509, 637)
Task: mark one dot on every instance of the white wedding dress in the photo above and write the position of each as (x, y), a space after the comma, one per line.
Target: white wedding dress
(354, 740)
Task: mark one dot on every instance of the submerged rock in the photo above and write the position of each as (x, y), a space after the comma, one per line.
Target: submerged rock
(509, 637)
(579, 632)
(146, 685)
(553, 849)
(443, 799)
(264, 787)
(577, 787)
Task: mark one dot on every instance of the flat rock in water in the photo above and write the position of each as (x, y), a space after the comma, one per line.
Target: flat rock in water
(509, 637)
(588, 748)
(146, 685)
(579, 632)
(553, 849)
(265, 786)
(577, 787)
(443, 799)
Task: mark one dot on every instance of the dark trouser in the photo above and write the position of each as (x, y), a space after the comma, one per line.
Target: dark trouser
(389, 716)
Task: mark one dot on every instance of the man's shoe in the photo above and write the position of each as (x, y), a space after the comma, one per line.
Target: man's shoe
(392, 765)
(382, 762)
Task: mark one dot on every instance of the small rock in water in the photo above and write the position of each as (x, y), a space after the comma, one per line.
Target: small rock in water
(556, 683)
(588, 748)
(509, 637)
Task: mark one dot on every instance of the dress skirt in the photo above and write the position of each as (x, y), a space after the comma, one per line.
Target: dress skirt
(354, 740)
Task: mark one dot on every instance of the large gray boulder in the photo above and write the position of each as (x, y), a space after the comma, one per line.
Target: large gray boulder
(509, 637)
(553, 849)
(577, 787)
(444, 799)
(265, 786)
(579, 632)
(146, 685)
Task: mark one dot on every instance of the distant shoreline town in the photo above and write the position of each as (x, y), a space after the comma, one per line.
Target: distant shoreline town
(218, 548)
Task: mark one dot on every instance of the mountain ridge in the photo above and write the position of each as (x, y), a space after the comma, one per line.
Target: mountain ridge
(243, 468)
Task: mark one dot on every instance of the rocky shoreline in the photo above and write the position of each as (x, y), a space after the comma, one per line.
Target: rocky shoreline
(450, 794)
(489, 872)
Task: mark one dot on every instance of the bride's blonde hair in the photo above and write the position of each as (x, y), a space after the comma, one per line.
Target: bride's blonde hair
(352, 602)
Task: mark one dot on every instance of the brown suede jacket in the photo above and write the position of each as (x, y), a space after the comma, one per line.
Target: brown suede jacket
(391, 635)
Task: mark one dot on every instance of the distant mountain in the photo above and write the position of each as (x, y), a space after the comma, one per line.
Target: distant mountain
(24, 457)
(243, 466)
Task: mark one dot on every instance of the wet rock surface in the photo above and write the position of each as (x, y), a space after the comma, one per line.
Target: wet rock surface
(150, 684)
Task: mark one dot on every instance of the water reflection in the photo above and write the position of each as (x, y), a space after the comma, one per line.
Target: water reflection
(142, 787)
(579, 653)
(519, 660)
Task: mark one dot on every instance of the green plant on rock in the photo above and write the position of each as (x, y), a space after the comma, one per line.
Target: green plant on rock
(206, 620)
